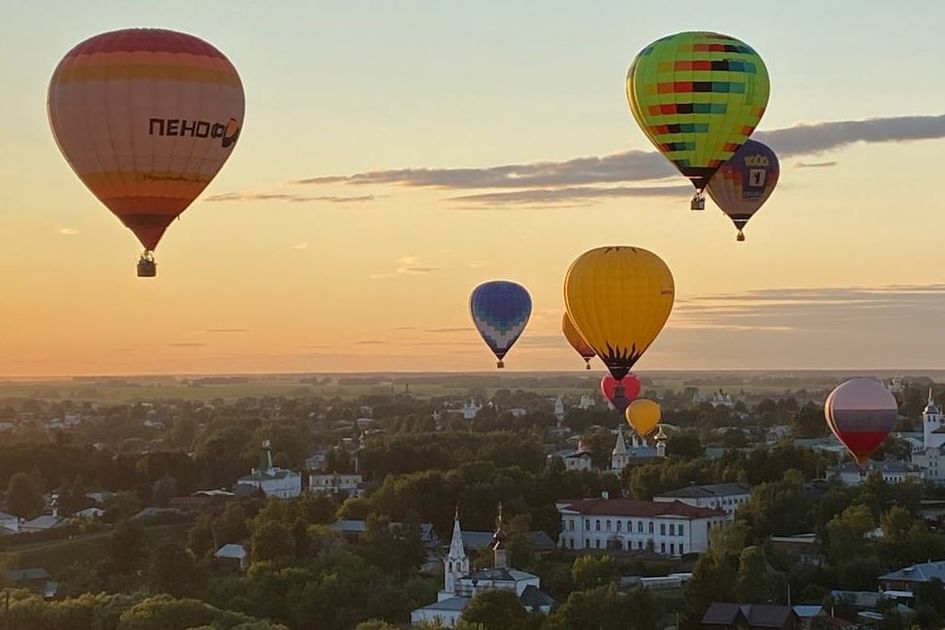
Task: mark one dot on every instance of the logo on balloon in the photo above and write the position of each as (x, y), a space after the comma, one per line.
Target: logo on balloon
(227, 133)
(756, 160)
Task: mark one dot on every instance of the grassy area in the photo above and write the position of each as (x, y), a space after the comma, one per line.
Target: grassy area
(57, 555)
(145, 388)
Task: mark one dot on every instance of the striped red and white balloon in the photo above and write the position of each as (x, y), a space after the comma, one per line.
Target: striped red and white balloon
(146, 118)
(861, 412)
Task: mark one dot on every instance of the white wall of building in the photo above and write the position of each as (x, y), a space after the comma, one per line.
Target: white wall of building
(672, 536)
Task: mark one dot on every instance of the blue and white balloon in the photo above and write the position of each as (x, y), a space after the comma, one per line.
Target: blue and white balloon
(500, 309)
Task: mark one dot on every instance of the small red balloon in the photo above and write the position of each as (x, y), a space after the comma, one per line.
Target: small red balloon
(620, 393)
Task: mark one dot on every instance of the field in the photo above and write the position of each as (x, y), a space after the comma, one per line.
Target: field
(149, 388)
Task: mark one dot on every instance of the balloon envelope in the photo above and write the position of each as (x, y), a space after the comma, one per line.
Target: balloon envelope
(698, 97)
(643, 415)
(620, 393)
(146, 118)
(619, 299)
(861, 412)
(576, 340)
(500, 311)
(743, 184)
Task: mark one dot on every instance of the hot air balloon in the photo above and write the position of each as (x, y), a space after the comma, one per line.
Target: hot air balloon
(619, 298)
(576, 340)
(620, 393)
(742, 185)
(500, 310)
(643, 415)
(146, 118)
(698, 97)
(861, 412)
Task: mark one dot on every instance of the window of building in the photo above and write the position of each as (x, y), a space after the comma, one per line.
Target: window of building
(682, 531)
(681, 549)
(587, 543)
(640, 544)
(597, 543)
(672, 549)
(651, 527)
(662, 529)
(662, 547)
(672, 529)
(608, 524)
(587, 523)
(640, 526)
(571, 525)
(597, 524)
(619, 524)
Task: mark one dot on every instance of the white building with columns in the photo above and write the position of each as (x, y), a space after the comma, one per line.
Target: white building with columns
(460, 584)
(668, 528)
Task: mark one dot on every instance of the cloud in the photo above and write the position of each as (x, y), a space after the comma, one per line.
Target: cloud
(814, 164)
(302, 245)
(237, 196)
(416, 269)
(795, 328)
(226, 330)
(379, 276)
(68, 231)
(370, 342)
(449, 330)
(186, 344)
(638, 166)
(408, 260)
(477, 264)
(569, 196)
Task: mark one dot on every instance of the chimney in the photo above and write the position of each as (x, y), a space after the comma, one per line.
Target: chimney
(604, 494)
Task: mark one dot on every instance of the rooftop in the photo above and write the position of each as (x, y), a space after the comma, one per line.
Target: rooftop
(629, 507)
(708, 491)
(918, 572)
(757, 615)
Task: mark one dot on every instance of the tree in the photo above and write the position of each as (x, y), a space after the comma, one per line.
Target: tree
(750, 586)
(163, 490)
(120, 506)
(896, 522)
(24, 498)
(496, 610)
(126, 546)
(172, 569)
(273, 542)
(683, 445)
(590, 572)
(846, 533)
(200, 537)
(375, 624)
(604, 608)
(230, 527)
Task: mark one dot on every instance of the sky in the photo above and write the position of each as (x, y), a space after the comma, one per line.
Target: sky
(341, 236)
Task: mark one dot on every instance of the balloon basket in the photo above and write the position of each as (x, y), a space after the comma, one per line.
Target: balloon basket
(697, 203)
(147, 268)
(741, 237)
(499, 364)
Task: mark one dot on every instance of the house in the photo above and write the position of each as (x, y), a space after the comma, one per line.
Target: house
(669, 528)
(44, 522)
(352, 530)
(91, 513)
(317, 460)
(461, 584)
(332, 483)
(931, 456)
(777, 433)
(849, 473)
(35, 580)
(749, 616)
(476, 542)
(232, 556)
(272, 481)
(724, 496)
(576, 460)
(640, 450)
(801, 549)
(9, 524)
(904, 580)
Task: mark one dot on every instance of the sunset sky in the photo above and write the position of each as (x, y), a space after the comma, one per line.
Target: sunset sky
(370, 267)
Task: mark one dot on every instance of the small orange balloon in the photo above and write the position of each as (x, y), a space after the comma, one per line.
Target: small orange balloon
(643, 415)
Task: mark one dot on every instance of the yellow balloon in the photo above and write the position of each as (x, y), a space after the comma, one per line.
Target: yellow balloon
(643, 415)
(619, 299)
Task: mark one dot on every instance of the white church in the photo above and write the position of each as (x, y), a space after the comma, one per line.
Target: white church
(931, 457)
(460, 584)
(639, 450)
